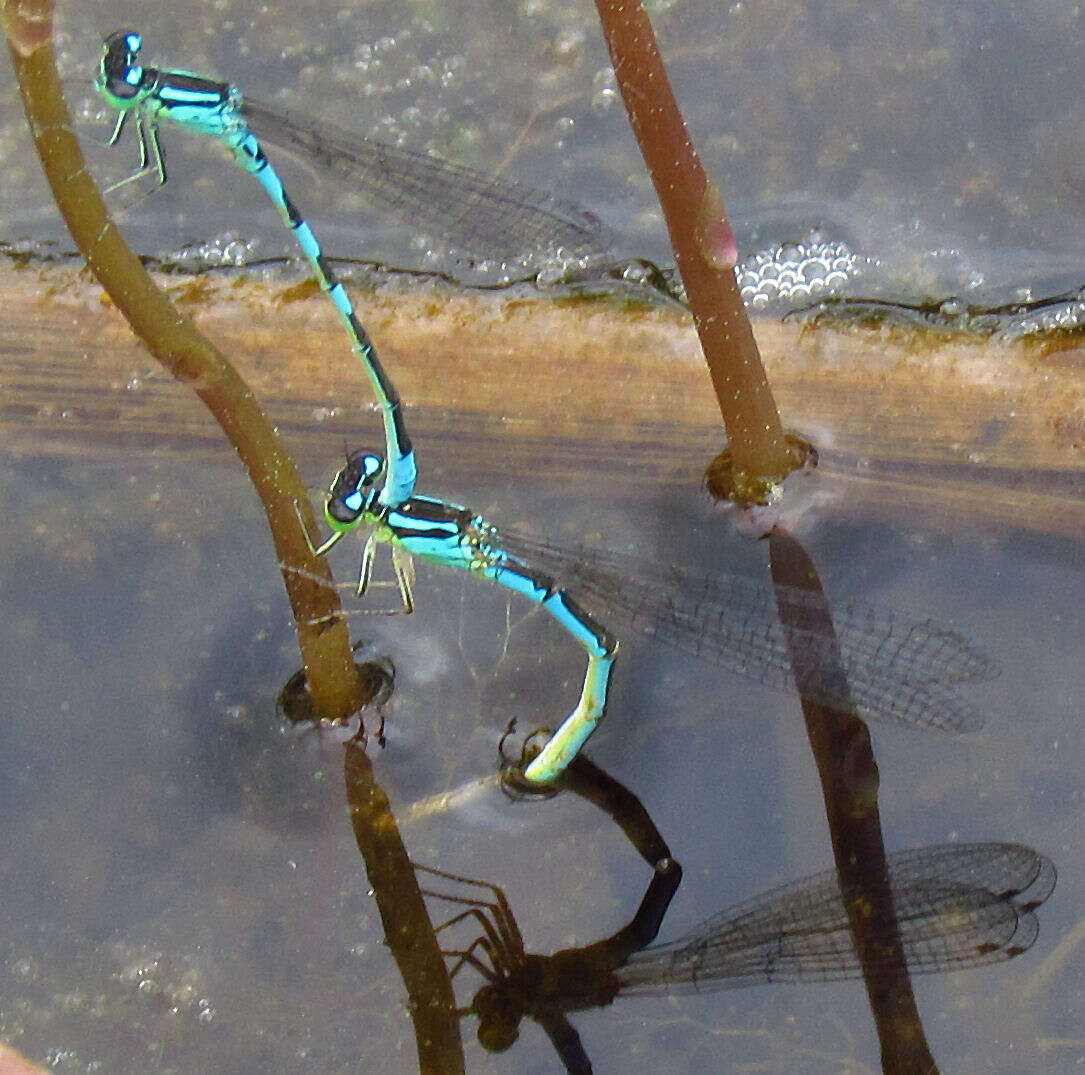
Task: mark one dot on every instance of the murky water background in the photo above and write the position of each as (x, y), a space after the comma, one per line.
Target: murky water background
(179, 886)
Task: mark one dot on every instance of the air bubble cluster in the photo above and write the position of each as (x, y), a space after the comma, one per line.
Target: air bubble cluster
(796, 272)
(227, 250)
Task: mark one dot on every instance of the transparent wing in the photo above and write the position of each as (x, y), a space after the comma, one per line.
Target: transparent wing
(957, 906)
(897, 668)
(483, 215)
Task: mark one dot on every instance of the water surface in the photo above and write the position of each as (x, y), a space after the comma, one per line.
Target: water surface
(181, 888)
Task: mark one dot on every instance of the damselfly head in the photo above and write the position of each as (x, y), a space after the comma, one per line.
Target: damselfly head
(121, 77)
(498, 1019)
(352, 491)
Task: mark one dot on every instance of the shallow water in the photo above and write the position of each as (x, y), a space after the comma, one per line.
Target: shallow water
(181, 890)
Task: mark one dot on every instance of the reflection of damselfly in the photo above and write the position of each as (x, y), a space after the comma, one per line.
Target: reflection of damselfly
(957, 906)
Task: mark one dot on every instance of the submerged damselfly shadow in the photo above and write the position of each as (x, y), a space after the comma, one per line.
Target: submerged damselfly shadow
(502, 943)
(956, 906)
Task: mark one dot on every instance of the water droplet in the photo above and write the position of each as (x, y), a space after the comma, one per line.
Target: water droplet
(604, 99)
(569, 41)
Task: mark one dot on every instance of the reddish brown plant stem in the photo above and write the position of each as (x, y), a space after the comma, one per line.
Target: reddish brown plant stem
(175, 342)
(705, 250)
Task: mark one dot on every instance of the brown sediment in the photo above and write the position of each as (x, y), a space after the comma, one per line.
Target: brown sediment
(970, 431)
